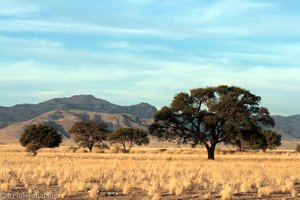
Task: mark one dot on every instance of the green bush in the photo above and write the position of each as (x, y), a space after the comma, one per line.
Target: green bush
(38, 136)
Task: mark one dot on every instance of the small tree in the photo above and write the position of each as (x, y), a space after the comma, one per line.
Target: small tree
(89, 134)
(38, 136)
(129, 137)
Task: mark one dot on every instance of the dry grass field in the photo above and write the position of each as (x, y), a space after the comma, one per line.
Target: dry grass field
(148, 173)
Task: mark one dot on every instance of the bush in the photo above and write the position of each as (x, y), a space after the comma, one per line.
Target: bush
(72, 149)
(229, 151)
(162, 150)
(38, 136)
(298, 148)
(114, 150)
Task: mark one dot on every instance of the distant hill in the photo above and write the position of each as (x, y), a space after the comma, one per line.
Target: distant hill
(24, 112)
(288, 127)
(62, 120)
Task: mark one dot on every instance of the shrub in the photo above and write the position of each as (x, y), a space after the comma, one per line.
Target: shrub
(156, 196)
(38, 136)
(162, 150)
(114, 150)
(127, 188)
(94, 192)
(4, 187)
(227, 193)
(264, 191)
(294, 193)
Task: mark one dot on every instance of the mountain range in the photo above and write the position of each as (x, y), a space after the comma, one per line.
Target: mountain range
(23, 112)
(62, 113)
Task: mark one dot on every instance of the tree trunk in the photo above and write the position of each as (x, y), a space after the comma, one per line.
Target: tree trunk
(34, 153)
(211, 152)
(129, 148)
(124, 148)
(90, 148)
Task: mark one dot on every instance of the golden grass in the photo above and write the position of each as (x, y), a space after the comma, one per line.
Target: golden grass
(155, 171)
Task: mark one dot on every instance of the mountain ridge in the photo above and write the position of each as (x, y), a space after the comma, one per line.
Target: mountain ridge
(63, 120)
(23, 112)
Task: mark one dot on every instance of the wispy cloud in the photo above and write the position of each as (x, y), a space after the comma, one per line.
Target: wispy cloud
(69, 27)
(177, 19)
(18, 42)
(16, 8)
(138, 47)
(158, 85)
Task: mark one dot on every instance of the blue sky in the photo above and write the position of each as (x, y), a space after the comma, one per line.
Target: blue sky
(132, 51)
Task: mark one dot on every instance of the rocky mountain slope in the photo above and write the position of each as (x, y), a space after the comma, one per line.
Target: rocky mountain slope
(288, 127)
(24, 112)
(62, 120)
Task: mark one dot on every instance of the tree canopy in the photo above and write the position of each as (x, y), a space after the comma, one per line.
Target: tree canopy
(128, 137)
(88, 134)
(210, 115)
(38, 136)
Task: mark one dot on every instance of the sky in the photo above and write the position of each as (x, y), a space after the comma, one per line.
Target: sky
(132, 51)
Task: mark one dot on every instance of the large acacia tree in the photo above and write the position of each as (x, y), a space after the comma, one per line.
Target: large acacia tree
(211, 115)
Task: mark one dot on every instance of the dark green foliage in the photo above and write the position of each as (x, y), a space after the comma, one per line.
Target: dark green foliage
(38, 136)
(273, 139)
(208, 116)
(129, 137)
(102, 146)
(264, 139)
(89, 134)
(255, 141)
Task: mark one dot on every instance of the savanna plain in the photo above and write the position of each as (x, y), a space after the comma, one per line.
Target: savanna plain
(149, 173)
